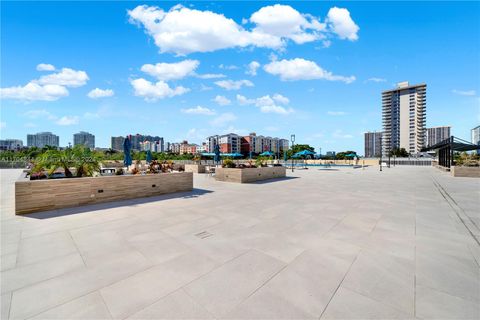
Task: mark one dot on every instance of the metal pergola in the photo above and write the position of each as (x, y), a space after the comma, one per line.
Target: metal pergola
(447, 147)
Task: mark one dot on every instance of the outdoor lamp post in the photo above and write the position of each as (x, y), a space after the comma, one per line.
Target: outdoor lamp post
(292, 138)
(381, 152)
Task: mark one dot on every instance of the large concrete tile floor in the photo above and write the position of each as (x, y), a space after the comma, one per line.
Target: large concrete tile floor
(333, 244)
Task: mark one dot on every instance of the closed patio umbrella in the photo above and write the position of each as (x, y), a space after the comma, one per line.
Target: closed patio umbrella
(216, 151)
(127, 148)
(149, 156)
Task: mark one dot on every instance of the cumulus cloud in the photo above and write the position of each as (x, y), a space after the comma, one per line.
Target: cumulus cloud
(66, 77)
(228, 66)
(268, 104)
(340, 22)
(67, 120)
(223, 119)
(171, 71)
(45, 67)
(184, 30)
(464, 92)
(234, 85)
(374, 79)
(199, 110)
(154, 91)
(252, 68)
(210, 76)
(33, 91)
(100, 93)
(221, 100)
(49, 87)
(301, 69)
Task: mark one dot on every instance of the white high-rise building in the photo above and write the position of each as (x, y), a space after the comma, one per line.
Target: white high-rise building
(84, 138)
(43, 139)
(437, 134)
(404, 117)
(476, 136)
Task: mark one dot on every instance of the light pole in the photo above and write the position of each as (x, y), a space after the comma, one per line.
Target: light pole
(292, 138)
(381, 152)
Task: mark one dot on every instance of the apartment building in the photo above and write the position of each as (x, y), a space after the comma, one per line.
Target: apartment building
(476, 136)
(43, 139)
(84, 138)
(404, 117)
(11, 144)
(229, 143)
(373, 144)
(117, 143)
(436, 134)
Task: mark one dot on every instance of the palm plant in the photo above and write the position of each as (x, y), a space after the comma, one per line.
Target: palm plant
(86, 162)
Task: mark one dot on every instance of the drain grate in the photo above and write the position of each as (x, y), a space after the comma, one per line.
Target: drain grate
(203, 234)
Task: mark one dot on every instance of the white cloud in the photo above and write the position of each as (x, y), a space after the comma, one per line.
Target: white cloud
(171, 71)
(211, 76)
(154, 91)
(3, 124)
(301, 69)
(279, 22)
(66, 77)
(33, 91)
(223, 119)
(464, 93)
(222, 100)
(377, 79)
(228, 67)
(100, 93)
(336, 113)
(252, 68)
(184, 30)
(199, 110)
(67, 120)
(233, 85)
(281, 99)
(268, 104)
(39, 113)
(340, 22)
(45, 67)
(49, 87)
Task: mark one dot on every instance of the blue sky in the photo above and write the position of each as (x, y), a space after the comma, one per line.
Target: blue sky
(183, 70)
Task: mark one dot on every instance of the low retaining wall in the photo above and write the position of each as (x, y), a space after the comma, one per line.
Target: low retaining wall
(471, 172)
(195, 168)
(42, 195)
(246, 175)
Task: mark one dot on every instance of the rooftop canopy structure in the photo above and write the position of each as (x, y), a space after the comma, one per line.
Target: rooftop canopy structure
(446, 148)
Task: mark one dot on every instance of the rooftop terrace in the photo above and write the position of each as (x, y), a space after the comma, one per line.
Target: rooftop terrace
(331, 244)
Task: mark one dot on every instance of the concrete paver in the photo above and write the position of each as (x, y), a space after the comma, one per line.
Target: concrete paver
(339, 244)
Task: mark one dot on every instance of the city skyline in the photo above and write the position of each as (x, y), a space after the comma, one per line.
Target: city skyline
(319, 76)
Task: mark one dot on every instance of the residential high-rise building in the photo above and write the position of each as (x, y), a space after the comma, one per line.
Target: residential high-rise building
(404, 117)
(11, 144)
(258, 144)
(373, 144)
(436, 134)
(117, 143)
(84, 138)
(43, 139)
(331, 154)
(476, 136)
(138, 138)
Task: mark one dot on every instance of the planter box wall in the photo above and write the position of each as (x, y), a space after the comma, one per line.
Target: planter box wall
(195, 168)
(42, 195)
(471, 172)
(246, 175)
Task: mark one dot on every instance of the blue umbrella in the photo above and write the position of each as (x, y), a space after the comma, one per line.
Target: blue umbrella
(351, 155)
(250, 154)
(267, 154)
(232, 155)
(285, 155)
(127, 148)
(149, 156)
(216, 151)
(303, 153)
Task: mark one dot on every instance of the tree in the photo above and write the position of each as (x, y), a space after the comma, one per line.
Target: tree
(401, 153)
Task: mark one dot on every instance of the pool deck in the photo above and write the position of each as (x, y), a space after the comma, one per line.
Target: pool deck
(337, 243)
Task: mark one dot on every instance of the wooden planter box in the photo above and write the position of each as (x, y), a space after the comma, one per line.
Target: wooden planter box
(246, 175)
(471, 172)
(195, 168)
(42, 195)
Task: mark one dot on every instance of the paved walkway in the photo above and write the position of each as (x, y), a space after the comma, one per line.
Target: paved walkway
(329, 244)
